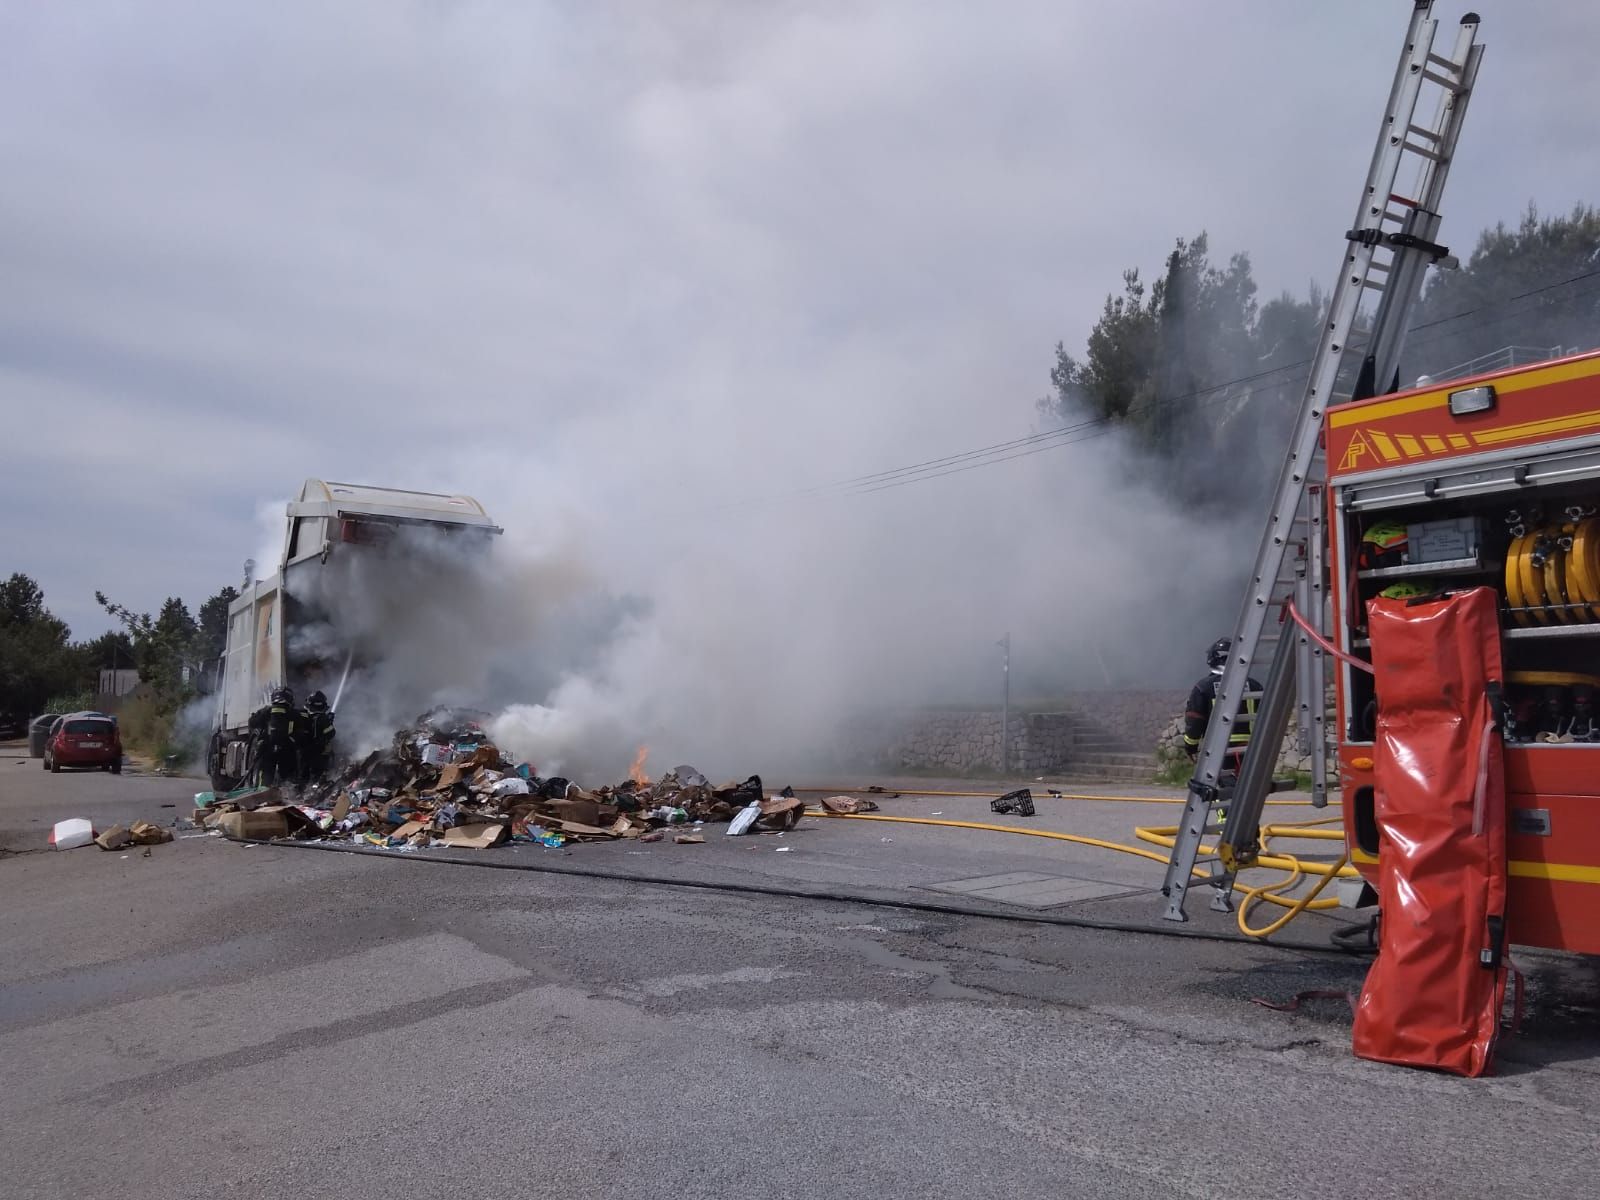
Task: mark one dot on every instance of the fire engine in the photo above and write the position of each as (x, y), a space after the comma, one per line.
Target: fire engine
(1487, 481)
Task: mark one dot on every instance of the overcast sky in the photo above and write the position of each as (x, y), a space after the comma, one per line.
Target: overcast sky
(593, 262)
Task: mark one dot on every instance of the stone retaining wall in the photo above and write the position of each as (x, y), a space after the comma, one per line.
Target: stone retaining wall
(1136, 719)
(958, 741)
(968, 740)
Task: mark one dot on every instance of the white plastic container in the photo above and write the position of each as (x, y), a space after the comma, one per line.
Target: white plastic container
(70, 834)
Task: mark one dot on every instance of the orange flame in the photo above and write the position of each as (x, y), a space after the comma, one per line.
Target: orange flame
(636, 772)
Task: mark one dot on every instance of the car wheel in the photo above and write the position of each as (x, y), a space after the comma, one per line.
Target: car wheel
(44, 763)
(116, 767)
(55, 767)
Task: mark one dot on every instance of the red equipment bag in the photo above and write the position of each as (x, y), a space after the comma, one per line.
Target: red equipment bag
(1433, 997)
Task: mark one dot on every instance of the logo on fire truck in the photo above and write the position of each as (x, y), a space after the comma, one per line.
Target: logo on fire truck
(1373, 447)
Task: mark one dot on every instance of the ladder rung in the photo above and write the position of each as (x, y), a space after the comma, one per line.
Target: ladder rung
(1433, 155)
(1445, 81)
(1440, 60)
(1430, 134)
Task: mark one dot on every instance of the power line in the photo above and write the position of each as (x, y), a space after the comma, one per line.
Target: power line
(1023, 447)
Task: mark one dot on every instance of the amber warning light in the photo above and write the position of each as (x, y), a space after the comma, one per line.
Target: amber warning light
(1471, 400)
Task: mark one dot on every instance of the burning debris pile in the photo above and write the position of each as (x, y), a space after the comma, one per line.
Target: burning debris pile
(444, 783)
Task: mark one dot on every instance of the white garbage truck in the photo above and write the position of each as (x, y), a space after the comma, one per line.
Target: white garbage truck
(297, 627)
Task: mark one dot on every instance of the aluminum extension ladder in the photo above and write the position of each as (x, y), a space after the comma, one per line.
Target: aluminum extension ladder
(1390, 247)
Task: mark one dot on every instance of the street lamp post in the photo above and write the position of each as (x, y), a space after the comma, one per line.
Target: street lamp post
(1005, 706)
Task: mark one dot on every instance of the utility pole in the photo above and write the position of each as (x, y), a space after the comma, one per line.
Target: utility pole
(1005, 707)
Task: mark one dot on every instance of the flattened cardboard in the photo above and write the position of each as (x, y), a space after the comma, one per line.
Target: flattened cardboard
(847, 805)
(476, 837)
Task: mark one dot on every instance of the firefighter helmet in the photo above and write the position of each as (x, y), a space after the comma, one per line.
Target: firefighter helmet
(283, 696)
(1383, 544)
(316, 702)
(1217, 656)
(1408, 589)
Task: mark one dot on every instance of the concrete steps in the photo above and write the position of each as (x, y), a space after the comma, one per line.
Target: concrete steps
(1112, 766)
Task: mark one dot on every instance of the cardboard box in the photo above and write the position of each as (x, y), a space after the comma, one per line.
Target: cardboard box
(262, 824)
(582, 812)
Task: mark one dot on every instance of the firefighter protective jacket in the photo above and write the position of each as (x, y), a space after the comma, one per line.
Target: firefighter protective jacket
(1198, 715)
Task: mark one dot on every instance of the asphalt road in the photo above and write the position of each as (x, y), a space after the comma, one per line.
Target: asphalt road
(220, 1020)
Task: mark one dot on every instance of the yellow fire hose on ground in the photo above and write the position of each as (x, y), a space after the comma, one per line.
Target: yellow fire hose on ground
(1054, 795)
(1165, 835)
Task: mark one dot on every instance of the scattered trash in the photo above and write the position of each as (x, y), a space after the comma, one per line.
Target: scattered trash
(146, 833)
(114, 838)
(443, 782)
(71, 833)
(781, 812)
(746, 818)
(476, 837)
(784, 849)
(1019, 802)
(263, 824)
(848, 805)
(140, 833)
(207, 799)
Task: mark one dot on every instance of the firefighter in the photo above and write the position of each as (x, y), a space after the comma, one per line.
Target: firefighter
(274, 725)
(316, 738)
(1198, 715)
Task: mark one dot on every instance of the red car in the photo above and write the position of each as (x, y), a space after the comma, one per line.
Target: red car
(84, 739)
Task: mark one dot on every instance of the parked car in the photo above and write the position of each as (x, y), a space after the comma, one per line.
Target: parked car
(84, 739)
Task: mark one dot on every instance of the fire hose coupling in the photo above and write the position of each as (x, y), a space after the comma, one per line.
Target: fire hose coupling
(1491, 954)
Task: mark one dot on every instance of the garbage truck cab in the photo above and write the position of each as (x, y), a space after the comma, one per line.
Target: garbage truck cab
(285, 630)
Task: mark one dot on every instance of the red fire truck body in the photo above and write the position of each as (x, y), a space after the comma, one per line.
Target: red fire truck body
(1495, 480)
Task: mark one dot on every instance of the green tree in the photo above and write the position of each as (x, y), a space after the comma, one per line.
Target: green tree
(1512, 291)
(111, 651)
(1178, 367)
(36, 661)
(213, 618)
(163, 645)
